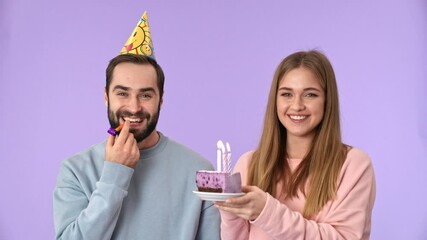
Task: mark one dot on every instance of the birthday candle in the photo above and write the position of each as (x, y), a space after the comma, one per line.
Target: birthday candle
(218, 160)
(220, 156)
(224, 159)
(228, 157)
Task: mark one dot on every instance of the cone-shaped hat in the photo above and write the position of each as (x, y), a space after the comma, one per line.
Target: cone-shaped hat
(140, 41)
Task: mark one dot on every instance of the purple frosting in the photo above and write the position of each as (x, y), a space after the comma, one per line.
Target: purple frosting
(229, 183)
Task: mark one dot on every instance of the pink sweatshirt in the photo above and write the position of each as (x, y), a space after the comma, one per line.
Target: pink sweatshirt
(348, 216)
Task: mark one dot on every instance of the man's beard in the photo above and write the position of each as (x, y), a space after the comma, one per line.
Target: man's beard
(139, 135)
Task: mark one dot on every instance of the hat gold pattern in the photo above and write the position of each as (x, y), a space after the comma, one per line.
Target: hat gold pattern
(139, 41)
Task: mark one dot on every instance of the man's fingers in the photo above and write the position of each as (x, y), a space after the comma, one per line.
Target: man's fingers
(110, 140)
(130, 138)
(135, 150)
(123, 135)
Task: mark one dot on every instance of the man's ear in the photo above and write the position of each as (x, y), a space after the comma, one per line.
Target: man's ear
(105, 97)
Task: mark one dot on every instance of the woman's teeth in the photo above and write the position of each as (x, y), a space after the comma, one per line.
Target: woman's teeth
(297, 117)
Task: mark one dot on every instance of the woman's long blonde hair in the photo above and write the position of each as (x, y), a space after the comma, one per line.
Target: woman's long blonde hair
(321, 165)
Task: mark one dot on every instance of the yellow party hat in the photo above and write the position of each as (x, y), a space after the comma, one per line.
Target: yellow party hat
(139, 41)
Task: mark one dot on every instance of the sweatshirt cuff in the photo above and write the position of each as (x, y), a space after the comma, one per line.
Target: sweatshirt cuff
(227, 216)
(266, 211)
(116, 174)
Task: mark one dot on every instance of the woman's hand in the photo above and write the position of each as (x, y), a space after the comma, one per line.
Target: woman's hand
(249, 206)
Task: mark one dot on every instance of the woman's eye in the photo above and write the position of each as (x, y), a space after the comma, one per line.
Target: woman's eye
(311, 95)
(285, 94)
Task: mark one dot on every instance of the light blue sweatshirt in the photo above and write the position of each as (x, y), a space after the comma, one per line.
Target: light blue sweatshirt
(95, 199)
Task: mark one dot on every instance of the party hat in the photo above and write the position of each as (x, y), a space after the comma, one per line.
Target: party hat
(139, 41)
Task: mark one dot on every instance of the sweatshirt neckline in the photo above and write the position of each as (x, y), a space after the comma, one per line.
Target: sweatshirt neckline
(158, 147)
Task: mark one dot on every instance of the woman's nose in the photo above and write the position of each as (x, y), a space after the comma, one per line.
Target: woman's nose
(298, 104)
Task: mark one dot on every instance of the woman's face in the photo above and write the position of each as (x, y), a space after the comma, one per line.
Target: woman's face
(300, 103)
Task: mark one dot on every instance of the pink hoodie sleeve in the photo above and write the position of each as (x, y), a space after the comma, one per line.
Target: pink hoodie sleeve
(348, 216)
(232, 226)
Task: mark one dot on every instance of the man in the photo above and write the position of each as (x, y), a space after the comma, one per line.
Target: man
(138, 184)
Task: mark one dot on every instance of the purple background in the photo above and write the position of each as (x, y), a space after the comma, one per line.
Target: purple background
(219, 58)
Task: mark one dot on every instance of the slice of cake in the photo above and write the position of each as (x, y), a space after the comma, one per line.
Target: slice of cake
(219, 182)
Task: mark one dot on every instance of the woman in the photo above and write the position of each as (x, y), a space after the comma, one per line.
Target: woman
(302, 181)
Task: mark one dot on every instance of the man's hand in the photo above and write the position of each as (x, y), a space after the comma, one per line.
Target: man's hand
(248, 206)
(123, 148)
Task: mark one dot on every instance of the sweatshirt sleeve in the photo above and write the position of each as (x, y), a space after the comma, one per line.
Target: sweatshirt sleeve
(232, 226)
(348, 216)
(209, 223)
(79, 214)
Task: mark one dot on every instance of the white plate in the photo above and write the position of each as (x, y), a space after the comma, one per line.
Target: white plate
(216, 197)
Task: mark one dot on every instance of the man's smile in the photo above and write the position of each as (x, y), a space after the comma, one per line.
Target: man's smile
(133, 119)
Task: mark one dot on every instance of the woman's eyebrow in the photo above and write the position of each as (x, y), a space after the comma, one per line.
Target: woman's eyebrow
(305, 89)
(312, 89)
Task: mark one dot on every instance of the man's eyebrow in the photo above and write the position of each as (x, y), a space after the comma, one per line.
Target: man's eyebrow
(120, 87)
(148, 89)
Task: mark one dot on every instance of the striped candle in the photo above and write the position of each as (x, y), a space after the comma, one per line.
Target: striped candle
(228, 157)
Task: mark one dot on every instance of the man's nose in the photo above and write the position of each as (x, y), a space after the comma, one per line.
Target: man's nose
(134, 105)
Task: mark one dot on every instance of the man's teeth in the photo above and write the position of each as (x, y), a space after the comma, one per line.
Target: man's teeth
(298, 117)
(133, 120)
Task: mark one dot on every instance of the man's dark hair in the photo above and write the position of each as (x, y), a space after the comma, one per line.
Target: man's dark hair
(136, 59)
